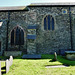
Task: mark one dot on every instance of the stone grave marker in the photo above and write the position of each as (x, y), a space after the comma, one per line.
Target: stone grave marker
(31, 56)
(7, 66)
(55, 56)
(10, 60)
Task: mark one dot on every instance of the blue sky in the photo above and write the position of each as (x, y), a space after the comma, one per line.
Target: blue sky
(27, 2)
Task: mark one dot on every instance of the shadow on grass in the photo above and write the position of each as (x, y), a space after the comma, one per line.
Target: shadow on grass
(60, 59)
(3, 70)
(66, 61)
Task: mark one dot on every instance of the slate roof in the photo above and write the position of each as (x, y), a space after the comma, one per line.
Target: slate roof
(54, 4)
(13, 8)
(21, 8)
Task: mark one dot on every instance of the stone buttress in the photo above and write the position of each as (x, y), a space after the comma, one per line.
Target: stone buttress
(31, 39)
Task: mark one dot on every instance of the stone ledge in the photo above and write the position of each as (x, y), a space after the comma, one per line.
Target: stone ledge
(12, 53)
(69, 51)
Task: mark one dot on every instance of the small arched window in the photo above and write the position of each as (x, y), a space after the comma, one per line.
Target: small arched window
(48, 23)
(17, 36)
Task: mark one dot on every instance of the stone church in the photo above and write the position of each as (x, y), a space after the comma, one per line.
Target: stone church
(39, 28)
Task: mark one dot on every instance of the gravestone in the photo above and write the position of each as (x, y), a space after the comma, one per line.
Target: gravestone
(10, 60)
(34, 56)
(7, 66)
(55, 56)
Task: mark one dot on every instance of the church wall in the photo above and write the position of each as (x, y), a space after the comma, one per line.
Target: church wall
(73, 26)
(58, 39)
(17, 19)
(3, 36)
(46, 41)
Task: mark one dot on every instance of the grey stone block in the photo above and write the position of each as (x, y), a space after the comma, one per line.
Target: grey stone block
(70, 55)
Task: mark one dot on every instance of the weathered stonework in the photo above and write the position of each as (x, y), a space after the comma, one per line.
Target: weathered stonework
(31, 39)
(13, 53)
(3, 36)
(46, 41)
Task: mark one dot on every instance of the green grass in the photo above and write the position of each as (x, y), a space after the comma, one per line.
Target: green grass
(37, 66)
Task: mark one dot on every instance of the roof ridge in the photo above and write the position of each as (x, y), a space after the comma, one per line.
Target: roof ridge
(54, 3)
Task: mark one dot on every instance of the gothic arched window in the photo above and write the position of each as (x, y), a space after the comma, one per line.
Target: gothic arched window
(17, 36)
(48, 23)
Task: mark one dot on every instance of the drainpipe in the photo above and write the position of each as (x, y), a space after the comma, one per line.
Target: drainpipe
(70, 28)
(7, 30)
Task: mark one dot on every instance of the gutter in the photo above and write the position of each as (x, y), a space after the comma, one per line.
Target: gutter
(7, 30)
(70, 28)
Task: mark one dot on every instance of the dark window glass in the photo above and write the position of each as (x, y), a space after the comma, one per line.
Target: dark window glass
(48, 23)
(12, 37)
(17, 36)
(45, 25)
(52, 23)
(22, 37)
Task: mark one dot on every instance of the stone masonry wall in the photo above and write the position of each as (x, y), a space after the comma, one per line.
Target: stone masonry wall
(3, 36)
(73, 25)
(17, 18)
(51, 41)
(47, 41)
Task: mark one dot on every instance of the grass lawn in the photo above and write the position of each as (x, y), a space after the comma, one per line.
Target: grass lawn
(37, 66)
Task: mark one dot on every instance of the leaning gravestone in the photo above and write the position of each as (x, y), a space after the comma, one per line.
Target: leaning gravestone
(55, 56)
